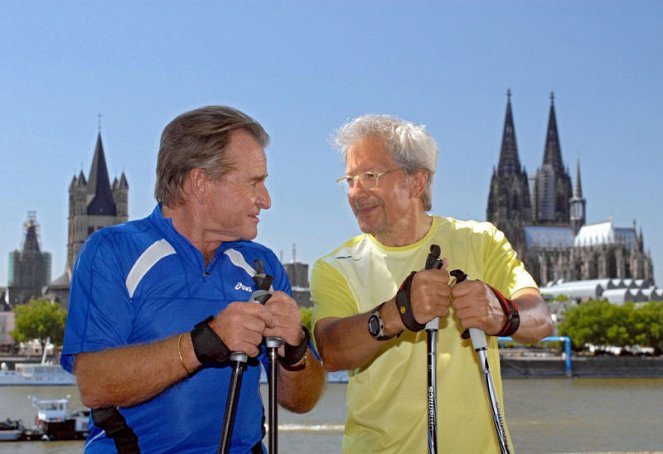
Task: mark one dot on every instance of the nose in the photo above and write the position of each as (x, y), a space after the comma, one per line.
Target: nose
(264, 200)
(356, 191)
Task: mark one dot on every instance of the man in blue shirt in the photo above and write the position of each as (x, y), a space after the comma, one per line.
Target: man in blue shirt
(158, 304)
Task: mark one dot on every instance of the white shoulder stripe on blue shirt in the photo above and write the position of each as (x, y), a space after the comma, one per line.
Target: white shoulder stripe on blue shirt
(238, 260)
(149, 258)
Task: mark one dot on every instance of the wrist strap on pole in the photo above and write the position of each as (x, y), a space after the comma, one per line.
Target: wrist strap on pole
(404, 306)
(510, 309)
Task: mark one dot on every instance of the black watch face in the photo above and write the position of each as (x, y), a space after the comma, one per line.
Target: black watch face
(373, 325)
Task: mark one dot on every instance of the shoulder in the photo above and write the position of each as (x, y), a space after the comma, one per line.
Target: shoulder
(121, 242)
(468, 227)
(352, 247)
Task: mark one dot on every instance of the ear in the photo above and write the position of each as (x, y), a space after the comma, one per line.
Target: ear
(418, 180)
(196, 185)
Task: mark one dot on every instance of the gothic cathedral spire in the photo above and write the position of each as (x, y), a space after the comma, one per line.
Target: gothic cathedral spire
(552, 184)
(509, 204)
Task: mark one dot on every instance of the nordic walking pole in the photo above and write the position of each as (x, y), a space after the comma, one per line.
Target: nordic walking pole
(272, 343)
(260, 295)
(432, 262)
(480, 346)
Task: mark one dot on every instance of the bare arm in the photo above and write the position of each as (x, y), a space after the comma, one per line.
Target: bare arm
(300, 390)
(535, 320)
(345, 343)
(477, 307)
(130, 375)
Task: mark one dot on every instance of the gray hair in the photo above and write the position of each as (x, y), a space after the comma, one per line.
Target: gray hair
(199, 139)
(409, 145)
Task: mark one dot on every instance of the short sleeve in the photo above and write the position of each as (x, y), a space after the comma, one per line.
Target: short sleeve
(100, 312)
(330, 293)
(504, 270)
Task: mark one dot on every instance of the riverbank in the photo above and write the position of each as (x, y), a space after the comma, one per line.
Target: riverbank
(521, 365)
(582, 367)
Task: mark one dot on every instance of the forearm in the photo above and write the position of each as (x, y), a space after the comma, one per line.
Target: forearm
(344, 343)
(299, 390)
(535, 320)
(130, 375)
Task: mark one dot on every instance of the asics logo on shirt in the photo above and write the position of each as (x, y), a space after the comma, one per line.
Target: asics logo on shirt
(240, 286)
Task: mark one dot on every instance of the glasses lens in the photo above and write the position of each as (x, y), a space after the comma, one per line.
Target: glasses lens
(369, 180)
(344, 183)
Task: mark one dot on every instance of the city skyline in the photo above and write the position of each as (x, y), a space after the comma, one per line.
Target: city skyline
(304, 69)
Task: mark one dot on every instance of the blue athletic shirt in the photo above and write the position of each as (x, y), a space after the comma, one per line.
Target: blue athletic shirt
(142, 281)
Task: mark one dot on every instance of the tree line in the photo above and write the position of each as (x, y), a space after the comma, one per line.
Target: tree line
(604, 324)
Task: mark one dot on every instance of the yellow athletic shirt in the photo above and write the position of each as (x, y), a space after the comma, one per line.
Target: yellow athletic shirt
(387, 399)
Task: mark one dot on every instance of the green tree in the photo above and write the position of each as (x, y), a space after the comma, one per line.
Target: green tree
(648, 328)
(39, 319)
(585, 324)
(602, 323)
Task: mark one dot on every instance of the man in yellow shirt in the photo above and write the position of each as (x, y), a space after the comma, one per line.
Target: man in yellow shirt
(369, 311)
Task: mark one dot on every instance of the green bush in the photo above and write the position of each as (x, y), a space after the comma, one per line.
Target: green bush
(603, 323)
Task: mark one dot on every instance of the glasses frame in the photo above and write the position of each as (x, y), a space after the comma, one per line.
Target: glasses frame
(348, 182)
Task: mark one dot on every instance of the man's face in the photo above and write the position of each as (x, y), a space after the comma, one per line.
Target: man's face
(233, 203)
(380, 210)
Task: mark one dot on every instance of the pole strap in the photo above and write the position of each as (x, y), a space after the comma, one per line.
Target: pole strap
(111, 421)
(510, 309)
(295, 353)
(207, 345)
(404, 306)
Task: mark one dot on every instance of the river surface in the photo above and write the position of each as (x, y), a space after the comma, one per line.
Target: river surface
(549, 415)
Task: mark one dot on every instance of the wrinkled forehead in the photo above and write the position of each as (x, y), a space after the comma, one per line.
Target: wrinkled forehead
(366, 155)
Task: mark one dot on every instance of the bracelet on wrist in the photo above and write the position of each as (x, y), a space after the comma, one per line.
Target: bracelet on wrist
(510, 309)
(179, 352)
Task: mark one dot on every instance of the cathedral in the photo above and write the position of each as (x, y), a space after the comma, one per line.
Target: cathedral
(94, 203)
(543, 216)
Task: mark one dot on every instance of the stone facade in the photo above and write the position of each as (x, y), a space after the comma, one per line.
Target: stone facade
(543, 216)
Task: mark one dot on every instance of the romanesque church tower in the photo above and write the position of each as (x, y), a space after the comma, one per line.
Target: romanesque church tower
(509, 204)
(94, 203)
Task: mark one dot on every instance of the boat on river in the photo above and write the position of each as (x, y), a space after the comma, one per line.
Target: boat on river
(11, 430)
(35, 374)
(56, 422)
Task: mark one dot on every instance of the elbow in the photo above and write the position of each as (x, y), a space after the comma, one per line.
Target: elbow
(330, 366)
(329, 363)
(90, 397)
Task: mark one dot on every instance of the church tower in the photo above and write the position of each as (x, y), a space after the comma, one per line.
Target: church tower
(552, 184)
(577, 203)
(29, 268)
(93, 204)
(509, 205)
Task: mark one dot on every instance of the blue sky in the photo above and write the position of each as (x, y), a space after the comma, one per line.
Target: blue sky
(302, 68)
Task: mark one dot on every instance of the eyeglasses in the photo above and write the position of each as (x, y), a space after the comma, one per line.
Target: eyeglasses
(367, 180)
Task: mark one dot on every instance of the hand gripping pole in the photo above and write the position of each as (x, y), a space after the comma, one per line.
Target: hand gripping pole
(260, 295)
(481, 347)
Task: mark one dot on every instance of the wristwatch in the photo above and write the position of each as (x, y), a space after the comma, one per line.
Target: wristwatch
(376, 325)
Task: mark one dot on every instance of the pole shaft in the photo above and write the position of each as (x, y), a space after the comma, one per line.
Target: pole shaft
(273, 402)
(432, 390)
(231, 407)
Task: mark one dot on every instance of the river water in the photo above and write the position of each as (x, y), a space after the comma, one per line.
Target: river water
(549, 415)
